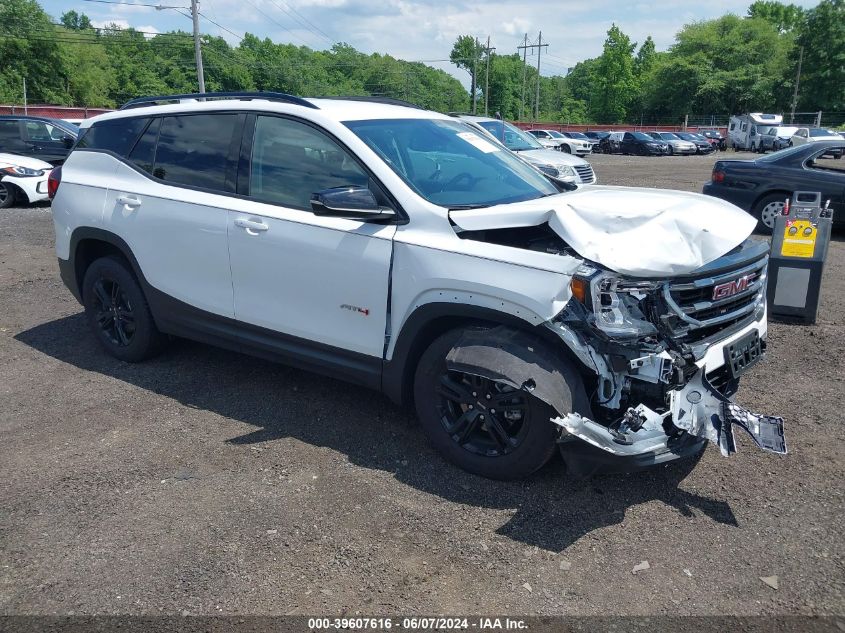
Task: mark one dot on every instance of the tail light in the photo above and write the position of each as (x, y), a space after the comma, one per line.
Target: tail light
(718, 176)
(53, 182)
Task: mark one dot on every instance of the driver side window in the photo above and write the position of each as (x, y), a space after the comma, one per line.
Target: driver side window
(292, 160)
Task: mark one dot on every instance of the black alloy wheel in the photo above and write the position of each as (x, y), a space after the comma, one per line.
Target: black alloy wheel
(482, 416)
(117, 311)
(113, 313)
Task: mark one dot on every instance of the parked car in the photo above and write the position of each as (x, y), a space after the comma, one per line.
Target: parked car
(642, 144)
(597, 137)
(702, 145)
(579, 136)
(715, 137)
(805, 135)
(776, 138)
(405, 251)
(43, 138)
(761, 186)
(556, 140)
(558, 165)
(22, 179)
(676, 144)
(612, 143)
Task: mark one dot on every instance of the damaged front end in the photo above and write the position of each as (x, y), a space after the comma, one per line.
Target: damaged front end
(667, 356)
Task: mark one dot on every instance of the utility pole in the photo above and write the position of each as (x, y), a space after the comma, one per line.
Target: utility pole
(539, 46)
(524, 62)
(474, 75)
(487, 51)
(797, 81)
(195, 16)
(24, 95)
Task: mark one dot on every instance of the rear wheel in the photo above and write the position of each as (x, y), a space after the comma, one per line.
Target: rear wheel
(8, 194)
(483, 426)
(118, 313)
(767, 209)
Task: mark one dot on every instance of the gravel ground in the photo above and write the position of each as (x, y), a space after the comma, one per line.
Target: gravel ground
(207, 482)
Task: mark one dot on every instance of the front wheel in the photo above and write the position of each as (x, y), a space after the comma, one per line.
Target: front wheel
(7, 195)
(117, 311)
(565, 149)
(483, 426)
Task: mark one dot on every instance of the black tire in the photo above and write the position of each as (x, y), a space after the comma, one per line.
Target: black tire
(535, 439)
(118, 313)
(565, 148)
(671, 151)
(8, 195)
(764, 209)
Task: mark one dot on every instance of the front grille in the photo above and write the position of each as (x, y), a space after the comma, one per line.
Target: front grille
(585, 172)
(697, 310)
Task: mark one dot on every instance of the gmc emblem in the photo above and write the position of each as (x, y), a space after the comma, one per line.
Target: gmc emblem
(730, 288)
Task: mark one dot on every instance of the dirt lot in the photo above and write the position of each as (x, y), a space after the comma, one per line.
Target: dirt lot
(206, 482)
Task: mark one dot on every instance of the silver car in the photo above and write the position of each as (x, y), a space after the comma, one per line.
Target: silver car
(677, 145)
(559, 165)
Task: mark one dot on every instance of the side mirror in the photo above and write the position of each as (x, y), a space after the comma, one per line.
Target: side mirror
(68, 141)
(352, 202)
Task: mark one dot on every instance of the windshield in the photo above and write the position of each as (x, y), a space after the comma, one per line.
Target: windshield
(668, 136)
(513, 138)
(583, 137)
(822, 132)
(555, 134)
(451, 164)
(641, 136)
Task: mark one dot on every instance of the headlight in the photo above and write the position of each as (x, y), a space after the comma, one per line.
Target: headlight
(549, 170)
(22, 171)
(616, 303)
(565, 170)
(653, 144)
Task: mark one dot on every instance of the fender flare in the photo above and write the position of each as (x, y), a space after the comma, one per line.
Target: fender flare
(429, 321)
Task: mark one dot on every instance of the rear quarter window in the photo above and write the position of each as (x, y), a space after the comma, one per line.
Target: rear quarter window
(117, 135)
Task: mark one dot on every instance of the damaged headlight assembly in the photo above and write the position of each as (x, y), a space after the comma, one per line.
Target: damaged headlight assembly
(614, 303)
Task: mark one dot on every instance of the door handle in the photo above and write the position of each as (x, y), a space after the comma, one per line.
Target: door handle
(129, 202)
(253, 227)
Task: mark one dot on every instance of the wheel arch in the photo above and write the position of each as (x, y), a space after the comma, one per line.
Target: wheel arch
(88, 244)
(430, 321)
(766, 194)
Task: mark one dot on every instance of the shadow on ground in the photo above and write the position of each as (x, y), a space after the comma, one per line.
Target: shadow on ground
(552, 510)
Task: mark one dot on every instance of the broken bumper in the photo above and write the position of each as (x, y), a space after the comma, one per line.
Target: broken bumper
(699, 413)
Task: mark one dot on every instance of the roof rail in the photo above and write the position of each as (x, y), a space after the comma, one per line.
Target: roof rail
(385, 100)
(246, 96)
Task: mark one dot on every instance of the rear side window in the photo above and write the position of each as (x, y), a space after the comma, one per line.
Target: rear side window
(117, 135)
(193, 150)
(9, 131)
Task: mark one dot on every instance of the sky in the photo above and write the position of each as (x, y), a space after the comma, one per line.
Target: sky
(422, 30)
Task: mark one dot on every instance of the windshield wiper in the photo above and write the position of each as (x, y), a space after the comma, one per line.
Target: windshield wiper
(464, 207)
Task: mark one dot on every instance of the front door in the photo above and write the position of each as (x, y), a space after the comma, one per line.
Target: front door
(318, 279)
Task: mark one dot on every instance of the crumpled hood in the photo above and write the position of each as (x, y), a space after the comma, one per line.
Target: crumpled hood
(14, 160)
(633, 231)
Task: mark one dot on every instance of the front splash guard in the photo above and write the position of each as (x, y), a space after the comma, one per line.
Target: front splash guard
(698, 408)
(701, 410)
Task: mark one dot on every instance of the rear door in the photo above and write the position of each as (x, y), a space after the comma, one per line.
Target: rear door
(170, 199)
(11, 139)
(318, 280)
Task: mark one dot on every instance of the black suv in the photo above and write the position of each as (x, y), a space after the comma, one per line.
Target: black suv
(43, 138)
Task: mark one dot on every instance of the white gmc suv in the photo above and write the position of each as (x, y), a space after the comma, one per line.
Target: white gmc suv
(403, 250)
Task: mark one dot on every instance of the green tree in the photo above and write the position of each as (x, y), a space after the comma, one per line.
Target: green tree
(613, 81)
(467, 54)
(785, 17)
(823, 70)
(75, 21)
(29, 48)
